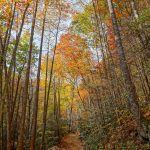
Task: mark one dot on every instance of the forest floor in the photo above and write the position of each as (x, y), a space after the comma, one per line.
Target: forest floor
(69, 142)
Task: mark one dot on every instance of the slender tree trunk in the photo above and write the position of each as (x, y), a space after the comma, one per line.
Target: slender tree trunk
(25, 94)
(12, 63)
(35, 109)
(132, 95)
(29, 119)
(8, 35)
(1, 94)
(49, 85)
(15, 123)
(8, 86)
(58, 116)
(45, 106)
(55, 99)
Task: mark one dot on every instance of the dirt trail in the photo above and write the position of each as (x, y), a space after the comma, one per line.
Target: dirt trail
(70, 142)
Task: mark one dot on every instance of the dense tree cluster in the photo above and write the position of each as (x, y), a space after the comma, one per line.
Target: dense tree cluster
(74, 66)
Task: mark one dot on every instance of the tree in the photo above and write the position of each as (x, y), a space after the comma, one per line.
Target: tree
(132, 95)
(34, 125)
(25, 96)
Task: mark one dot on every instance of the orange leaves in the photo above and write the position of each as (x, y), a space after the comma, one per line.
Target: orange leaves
(72, 40)
(110, 35)
(5, 14)
(121, 8)
(83, 93)
(71, 46)
(74, 53)
(7, 11)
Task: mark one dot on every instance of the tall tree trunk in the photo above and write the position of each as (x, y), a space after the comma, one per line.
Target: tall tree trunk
(16, 118)
(1, 94)
(132, 95)
(8, 34)
(49, 85)
(25, 94)
(13, 58)
(8, 86)
(45, 106)
(35, 109)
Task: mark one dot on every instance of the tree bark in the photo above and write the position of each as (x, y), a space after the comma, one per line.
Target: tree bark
(25, 94)
(132, 95)
(49, 86)
(36, 99)
(45, 106)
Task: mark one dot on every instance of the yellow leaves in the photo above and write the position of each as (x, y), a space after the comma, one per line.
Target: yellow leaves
(59, 67)
(5, 14)
(7, 10)
(42, 83)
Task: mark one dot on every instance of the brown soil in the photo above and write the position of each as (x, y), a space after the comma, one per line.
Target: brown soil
(69, 142)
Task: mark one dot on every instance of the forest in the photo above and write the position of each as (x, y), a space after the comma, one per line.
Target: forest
(74, 74)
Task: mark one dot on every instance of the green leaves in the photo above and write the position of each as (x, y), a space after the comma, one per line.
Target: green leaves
(144, 17)
(82, 22)
(142, 20)
(21, 56)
